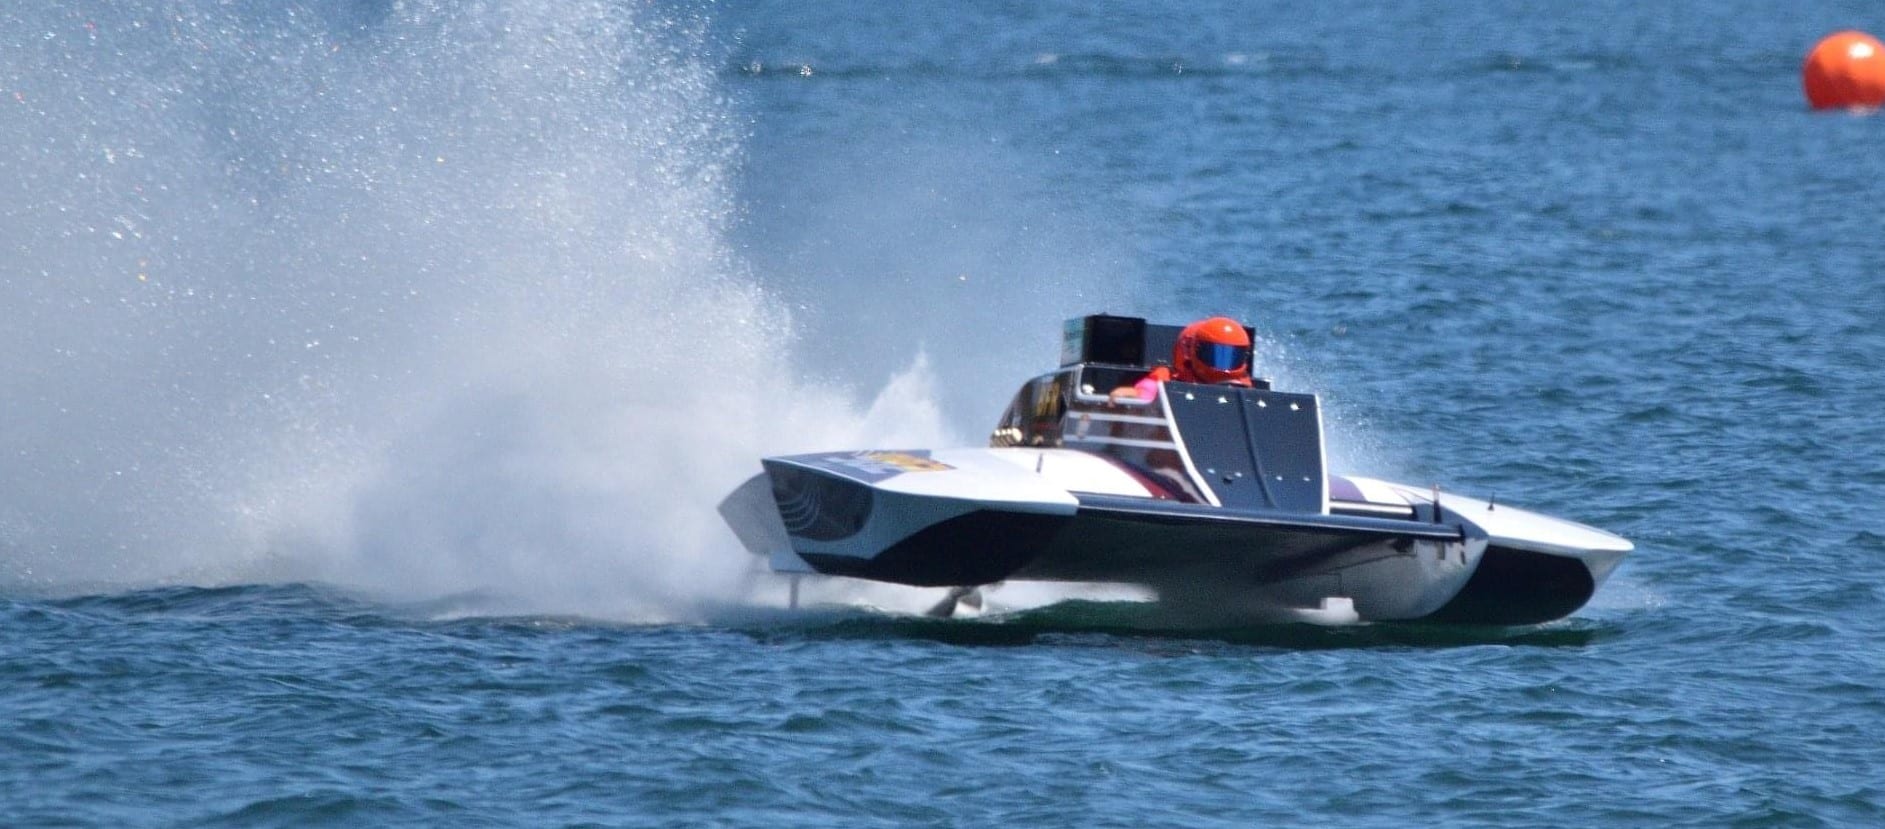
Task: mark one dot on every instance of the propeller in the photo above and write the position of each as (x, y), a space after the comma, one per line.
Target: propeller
(970, 597)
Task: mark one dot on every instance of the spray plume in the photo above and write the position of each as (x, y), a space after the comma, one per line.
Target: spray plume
(420, 298)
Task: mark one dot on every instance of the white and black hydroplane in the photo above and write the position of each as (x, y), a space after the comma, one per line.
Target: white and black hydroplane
(1210, 496)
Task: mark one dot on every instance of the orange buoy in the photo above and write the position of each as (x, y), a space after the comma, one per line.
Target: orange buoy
(1846, 69)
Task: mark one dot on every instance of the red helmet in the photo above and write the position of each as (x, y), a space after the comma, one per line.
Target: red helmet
(1215, 350)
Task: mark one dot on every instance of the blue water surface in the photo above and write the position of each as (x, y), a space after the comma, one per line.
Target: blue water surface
(1598, 259)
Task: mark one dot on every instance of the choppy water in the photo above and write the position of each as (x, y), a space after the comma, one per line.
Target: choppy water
(361, 431)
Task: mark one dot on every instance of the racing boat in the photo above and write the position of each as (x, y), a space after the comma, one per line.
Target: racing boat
(1214, 497)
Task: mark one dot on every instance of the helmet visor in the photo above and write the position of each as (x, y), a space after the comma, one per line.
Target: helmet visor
(1223, 357)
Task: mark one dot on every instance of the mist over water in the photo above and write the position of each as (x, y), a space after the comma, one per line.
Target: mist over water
(421, 298)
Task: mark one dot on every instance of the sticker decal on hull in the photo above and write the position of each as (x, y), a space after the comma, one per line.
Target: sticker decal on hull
(875, 466)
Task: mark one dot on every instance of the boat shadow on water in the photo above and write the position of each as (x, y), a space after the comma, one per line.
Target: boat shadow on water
(1079, 621)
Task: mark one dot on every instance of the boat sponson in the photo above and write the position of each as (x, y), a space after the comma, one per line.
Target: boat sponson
(1519, 587)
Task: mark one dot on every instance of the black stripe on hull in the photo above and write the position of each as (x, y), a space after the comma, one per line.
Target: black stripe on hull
(1120, 539)
(1184, 546)
(1166, 513)
(981, 547)
(1517, 587)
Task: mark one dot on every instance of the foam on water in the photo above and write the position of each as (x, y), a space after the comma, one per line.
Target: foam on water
(421, 299)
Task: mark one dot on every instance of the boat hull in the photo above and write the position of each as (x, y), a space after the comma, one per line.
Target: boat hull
(979, 516)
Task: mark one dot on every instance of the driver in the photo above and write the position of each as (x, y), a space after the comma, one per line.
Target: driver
(1213, 350)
